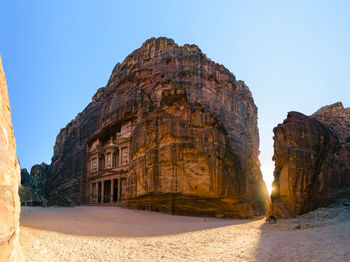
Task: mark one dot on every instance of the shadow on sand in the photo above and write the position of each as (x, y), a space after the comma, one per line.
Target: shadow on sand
(280, 242)
(103, 221)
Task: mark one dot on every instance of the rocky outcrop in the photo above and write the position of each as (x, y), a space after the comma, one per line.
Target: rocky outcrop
(9, 181)
(196, 141)
(312, 164)
(33, 185)
(337, 119)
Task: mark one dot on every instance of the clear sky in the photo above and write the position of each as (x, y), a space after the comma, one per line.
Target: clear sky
(294, 56)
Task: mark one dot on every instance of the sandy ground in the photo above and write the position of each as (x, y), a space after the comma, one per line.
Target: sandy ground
(92, 233)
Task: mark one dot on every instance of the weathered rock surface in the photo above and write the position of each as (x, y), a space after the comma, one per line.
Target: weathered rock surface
(312, 164)
(196, 145)
(9, 181)
(33, 185)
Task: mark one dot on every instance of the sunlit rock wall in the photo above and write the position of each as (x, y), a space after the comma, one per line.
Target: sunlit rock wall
(9, 181)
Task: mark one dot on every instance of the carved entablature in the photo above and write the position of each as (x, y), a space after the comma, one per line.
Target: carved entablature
(110, 149)
(108, 161)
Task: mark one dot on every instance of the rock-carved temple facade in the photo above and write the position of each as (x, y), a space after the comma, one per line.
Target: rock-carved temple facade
(172, 131)
(108, 164)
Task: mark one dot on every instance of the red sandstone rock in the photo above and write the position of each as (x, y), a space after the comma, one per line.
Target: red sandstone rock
(312, 164)
(9, 181)
(194, 144)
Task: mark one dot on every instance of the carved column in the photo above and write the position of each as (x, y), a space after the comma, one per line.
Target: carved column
(120, 156)
(112, 190)
(96, 193)
(102, 191)
(119, 189)
(90, 193)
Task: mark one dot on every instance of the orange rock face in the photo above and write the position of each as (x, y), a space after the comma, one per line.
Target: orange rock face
(182, 163)
(312, 164)
(9, 181)
(194, 140)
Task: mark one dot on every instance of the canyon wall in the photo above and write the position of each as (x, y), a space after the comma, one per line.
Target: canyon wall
(312, 160)
(195, 145)
(9, 181)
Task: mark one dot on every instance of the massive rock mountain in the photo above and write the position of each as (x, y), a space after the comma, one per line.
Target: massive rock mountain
(196, 142)
(312, 160)
(9, 181)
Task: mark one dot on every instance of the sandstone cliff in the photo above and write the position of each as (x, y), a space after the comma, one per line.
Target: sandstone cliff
(196, 143)
(9, 181)
(312, 163)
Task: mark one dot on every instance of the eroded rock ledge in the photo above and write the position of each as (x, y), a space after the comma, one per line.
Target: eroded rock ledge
(312, 160)
(194, 141)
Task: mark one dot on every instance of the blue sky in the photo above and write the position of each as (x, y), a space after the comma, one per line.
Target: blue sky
(294, 56)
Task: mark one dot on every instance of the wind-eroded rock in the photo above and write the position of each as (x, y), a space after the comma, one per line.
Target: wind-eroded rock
(9, 181)
(194, 147)
(312, 164)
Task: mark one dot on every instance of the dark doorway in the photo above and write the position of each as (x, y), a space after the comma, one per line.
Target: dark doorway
(99, 192)
(107, 193)
(115, 190)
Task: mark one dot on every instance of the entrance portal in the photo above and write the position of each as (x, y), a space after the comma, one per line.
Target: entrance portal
(107, 191)
(115, 190)
(99, 192)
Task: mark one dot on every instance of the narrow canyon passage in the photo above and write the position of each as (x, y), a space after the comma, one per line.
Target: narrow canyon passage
(102, 233)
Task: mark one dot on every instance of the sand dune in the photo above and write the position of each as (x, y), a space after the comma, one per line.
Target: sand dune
(91, 233)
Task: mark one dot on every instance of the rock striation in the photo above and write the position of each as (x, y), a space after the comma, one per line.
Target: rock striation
(9, 181)
(312, 163)
(194, 146)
